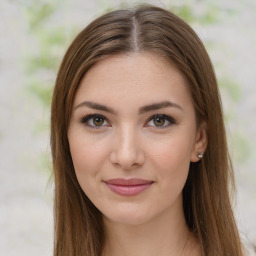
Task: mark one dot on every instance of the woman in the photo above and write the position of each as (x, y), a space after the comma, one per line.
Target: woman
(139, 149)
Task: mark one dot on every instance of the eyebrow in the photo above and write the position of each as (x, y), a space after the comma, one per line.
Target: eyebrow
(94, 105)
(156, 106)
(142, 110)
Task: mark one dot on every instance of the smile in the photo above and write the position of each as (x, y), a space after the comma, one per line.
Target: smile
(128, 187)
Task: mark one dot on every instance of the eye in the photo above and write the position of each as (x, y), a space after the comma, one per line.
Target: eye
(160, 120)
(95, 121)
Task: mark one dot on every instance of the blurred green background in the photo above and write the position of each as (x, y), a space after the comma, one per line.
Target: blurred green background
(34, 37)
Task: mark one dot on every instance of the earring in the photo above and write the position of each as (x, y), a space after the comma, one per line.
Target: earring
(200, 155)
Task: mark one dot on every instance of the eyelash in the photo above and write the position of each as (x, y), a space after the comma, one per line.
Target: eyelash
(165, 117)
(171, 121)
(85, 120)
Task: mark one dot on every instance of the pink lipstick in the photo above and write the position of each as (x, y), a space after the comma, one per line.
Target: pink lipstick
(128, 187)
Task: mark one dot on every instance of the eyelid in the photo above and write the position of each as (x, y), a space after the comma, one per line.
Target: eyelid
(170, 119)
(84, 120)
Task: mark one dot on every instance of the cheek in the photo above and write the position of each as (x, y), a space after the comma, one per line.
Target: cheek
(88, 155)
(172, 150)
(171, 159)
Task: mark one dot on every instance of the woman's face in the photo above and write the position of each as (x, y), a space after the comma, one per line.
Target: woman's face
(132, 136)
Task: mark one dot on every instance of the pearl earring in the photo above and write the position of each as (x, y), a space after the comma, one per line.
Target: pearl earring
(200, 155)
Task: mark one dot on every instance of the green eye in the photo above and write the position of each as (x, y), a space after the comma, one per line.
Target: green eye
(98, 121)
(95, 121)
(159, 121)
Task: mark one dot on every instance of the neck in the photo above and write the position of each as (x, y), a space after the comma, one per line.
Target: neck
(162, 236)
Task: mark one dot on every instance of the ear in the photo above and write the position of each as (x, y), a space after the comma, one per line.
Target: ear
(200, 143)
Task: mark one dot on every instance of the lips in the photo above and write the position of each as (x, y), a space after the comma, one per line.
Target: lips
(128, 187)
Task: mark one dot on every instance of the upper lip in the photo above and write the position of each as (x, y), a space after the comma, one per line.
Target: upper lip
(128, 182)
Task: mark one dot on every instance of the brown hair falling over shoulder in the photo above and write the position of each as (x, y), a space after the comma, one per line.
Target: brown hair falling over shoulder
(206, 195)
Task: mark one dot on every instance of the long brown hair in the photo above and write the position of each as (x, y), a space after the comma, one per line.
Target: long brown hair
(206, 195)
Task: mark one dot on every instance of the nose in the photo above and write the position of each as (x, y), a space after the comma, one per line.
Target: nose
(127, 150)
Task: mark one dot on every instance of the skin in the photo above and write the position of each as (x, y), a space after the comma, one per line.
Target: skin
(128, 144)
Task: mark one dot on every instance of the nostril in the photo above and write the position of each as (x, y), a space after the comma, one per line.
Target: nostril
(127, 160)
(126, 151)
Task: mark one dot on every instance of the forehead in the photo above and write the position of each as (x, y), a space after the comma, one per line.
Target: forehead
(133, 79)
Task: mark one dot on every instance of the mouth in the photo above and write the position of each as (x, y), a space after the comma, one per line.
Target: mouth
(128, 187)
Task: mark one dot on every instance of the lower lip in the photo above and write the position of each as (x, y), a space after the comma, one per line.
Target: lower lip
(128, 190)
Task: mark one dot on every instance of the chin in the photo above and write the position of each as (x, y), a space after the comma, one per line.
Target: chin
(128, 220)
(128, 216)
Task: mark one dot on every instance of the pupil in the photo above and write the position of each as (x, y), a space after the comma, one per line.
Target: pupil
(98, 121)
(159, 121)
